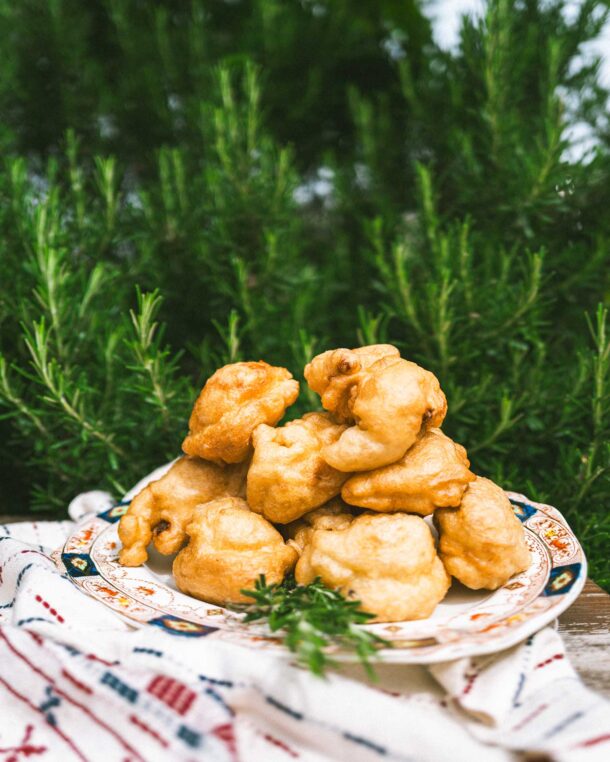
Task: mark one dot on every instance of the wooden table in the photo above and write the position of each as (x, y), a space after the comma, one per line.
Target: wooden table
(585, 628)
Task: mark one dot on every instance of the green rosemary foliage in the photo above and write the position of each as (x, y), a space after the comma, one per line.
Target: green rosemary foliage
(313, 618)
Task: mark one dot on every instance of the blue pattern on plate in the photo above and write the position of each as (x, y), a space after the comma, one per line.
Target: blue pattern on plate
(523, 511)
(114, 514)
(177, 626)
(562, 579)
(79, 564)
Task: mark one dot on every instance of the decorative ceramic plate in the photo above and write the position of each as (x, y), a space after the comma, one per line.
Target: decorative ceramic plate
(465, 623)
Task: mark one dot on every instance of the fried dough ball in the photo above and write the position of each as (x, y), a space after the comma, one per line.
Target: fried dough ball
(334, 374)
(389, 400)
(330, 517)
(229, 548)
(233, 402)
(161, 511)
(288, 477)
(482, 543)
(433, 473)
(387, 562)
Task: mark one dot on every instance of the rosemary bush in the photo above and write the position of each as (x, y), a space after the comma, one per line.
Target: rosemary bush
(188, 184)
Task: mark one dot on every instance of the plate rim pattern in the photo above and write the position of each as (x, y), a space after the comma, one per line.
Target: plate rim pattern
(567, 573)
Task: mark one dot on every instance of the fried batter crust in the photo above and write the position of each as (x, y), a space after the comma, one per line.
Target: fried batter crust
(432, 473)
(234, 401)
(482, 543)
(229, 548)
(332, 516)
(334, 374)
(389, 400)
(388, 562)
(161, 511)
(288, 476)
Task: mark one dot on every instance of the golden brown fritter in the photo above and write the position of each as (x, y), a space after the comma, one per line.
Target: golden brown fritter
(161, 511)
(334, 374)
(288, 477)
(389, 400)
(229, 548)
(233, 402)
(332, 516)
(378, 446)
(432, 473)
(387, 562)
(482, 543)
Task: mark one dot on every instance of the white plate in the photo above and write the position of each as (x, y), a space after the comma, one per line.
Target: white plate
(465, 623)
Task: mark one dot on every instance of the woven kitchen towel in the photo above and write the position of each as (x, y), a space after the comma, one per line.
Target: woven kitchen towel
(77, 683)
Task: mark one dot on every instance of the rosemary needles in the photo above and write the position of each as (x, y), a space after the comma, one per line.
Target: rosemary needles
(314, 618)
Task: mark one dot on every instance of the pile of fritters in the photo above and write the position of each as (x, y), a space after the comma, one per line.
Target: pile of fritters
(338, 495)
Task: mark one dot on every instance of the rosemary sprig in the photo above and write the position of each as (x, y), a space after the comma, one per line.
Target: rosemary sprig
(313, 618)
